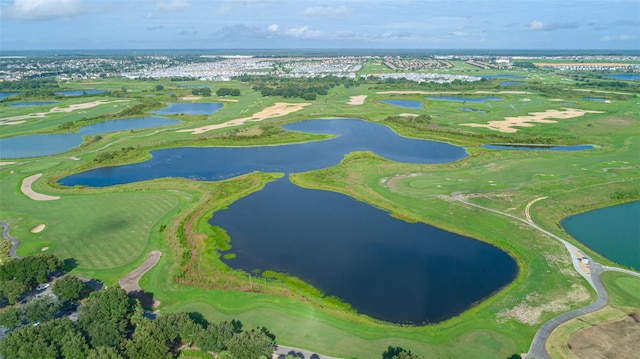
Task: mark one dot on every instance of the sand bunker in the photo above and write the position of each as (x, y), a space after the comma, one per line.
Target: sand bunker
(508, 123)
(37, 229)
(450, 92)
(357, 100)
(78, 106)
(26, 189)
(408, 115)
(6, 163)
(227, 100)
(278, 109)
(192, 98)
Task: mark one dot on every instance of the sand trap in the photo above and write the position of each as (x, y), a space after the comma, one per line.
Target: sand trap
(78, 106)
(450, 92)
(227, 100)
(525, 99)
(357, 100)
(278, 109)
(26, 189)
(192, 98)
(37, 229)
(508, 123)
(409, 115)
(6, 163)
(44, 248)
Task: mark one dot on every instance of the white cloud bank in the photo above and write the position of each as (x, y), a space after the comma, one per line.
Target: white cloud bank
(43, 9)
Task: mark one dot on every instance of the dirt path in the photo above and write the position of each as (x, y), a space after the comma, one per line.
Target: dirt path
(130, 281)
(29, 192)
(14, 242)
(526, 210)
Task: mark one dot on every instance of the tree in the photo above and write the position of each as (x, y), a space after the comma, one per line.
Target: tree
(103, 353)
(41, 310)
(69, 288)
(399, 353)
(12, 290)
(255, 343)
(105, 316)
(159, 87)
(11, 318)
(147, 342)
(215, 337)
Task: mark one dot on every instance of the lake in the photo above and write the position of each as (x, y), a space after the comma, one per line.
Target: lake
(504, 76)
(69, 93)
(627, 77)
(4, 95)
(614, 232)
(511, 83)
(51, 144)
(464, 99)
(199, 108)
(538, 147)
(32, 103)
(469, 109)
(403, 103)
(386, 268)
(218, 163)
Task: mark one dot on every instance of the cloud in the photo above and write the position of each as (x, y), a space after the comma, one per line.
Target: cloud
(172, 5)
(327, 11)
(188, 33)
(536, 25)
(273, 28)
(303, 32)
(43, 9)
(610, 38)
(153, 28)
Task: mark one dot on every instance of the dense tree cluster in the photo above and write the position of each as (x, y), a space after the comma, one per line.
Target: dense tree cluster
(307, 89)
(225, 91)
(20, 275)
(205, 91)
(399, 353)
(111, 325)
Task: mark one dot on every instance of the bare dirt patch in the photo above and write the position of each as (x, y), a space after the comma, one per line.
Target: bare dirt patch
(616, 339)
(14, 120)
(37, 229)
(357, 100)
(278, 109)
(29, 192)
(506, 125)
(130, 281)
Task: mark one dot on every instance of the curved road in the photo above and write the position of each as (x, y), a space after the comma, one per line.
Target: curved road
(538, 349)
(7, 236)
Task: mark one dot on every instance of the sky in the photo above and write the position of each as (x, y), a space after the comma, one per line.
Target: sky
(317, 24)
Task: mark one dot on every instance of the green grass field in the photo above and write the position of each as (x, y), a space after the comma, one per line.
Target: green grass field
(109, 231)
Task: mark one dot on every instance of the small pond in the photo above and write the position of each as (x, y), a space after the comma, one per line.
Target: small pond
(32, 103)
(614, 232)
(537, 147)
(51, 144)
(469, 109)
(199, 108)
(403, 103)
(504, 76)
(383, 267)
(594, 99)
(4, 95)
(464, 99)
(626, 77)
(69, 93)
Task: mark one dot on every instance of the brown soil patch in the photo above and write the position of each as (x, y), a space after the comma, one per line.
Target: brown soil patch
(616, 339)
(357, 100)
(130, 281)
(79, 106)
(506, 125)
(37, 229)
(278, 109)
(530, 310)
(29, 192)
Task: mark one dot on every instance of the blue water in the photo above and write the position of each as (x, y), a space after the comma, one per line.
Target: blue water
(628, 77)
(511, 83)
(464, 99)
(4, 95)
(217, 163)
(614, 232)
(200, 108)
(33, 103)
(538, 148)
(195, 86)
(403, 103)
(504, 76)
(469, 109)
(51, 144)
(593, 98)
(79, 92)
(383, 267)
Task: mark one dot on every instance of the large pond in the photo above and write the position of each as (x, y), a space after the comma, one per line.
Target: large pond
(464, 99)
(4, 95)
(627, 77)
(503, 76)
(386, 268)
(383, 267)
(32, 103)
(51, 144)
(403, 103)
(614, 232)
(200, 108)
(538, 147)
(70, 93)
